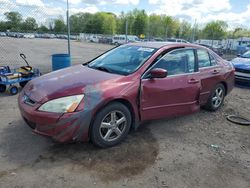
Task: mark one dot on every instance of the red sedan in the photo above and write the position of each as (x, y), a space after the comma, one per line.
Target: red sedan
(104, 99)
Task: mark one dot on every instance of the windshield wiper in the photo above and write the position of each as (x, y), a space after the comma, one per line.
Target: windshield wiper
(101, 68)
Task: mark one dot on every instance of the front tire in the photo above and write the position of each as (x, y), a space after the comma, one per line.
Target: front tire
(216, 98)
(13, 90)
(111, 125)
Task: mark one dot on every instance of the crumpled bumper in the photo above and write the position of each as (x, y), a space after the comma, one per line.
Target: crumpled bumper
(59, 126)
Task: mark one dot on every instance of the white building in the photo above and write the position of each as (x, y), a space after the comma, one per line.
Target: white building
(209, 42)
(233, 44)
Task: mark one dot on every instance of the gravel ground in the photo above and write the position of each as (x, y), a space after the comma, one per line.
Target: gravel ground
(200, 150)
(39, 51)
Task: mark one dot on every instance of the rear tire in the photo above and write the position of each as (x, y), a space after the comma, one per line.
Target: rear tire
(216, 98)
(13, 90)
(2, 88)
(111, 125)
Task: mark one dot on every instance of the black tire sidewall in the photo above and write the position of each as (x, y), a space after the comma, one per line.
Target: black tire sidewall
(12, 89)
(2, 88)
(95, 135)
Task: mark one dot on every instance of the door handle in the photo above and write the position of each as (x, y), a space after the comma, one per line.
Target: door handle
(215, 71)
(193, 81)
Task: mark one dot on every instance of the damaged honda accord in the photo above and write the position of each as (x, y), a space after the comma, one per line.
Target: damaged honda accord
(102, 100)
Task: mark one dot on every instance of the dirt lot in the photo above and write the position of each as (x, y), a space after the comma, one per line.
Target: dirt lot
(201, 150)
(39, 51)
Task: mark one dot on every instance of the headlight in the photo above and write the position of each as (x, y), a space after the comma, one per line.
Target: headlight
(62, 105)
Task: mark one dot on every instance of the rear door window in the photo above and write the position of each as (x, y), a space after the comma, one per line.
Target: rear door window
(213, 61)
(203, 59)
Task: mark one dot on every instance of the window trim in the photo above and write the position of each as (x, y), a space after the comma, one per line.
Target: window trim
(167, 51)
(209, 55)
(216, 62)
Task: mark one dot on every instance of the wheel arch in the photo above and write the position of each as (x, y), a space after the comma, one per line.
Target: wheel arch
(127, 103)
(225, 86)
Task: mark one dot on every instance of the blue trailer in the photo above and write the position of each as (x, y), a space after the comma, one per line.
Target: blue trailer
(9, 78)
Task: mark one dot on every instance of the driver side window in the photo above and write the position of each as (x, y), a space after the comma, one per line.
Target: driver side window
(176, 62)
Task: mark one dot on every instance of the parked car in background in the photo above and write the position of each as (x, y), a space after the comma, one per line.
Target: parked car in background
(3, 34)
(73, 37)
(176, 40)
(242, 68)
(15, 34)
(93, 38)
(121, 39)
(60, 36)
(104, 99)
(19, 35)
(105, 40)
(38, 35)
(157, 39)
(48, 36)
(29, 36)
(216, 49)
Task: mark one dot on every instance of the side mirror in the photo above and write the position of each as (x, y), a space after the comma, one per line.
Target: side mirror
(158, 73)
(238, 55)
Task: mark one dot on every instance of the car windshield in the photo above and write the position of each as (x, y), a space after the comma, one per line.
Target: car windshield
(122, 60)
(246, 55)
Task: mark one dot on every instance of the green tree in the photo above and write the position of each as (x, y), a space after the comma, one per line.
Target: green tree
(3, 26)
(14, 20)
(215, 30)
(185, 30)
(78, 22)
(59, 26)
(121, 24)
(171, 25)
(238, 32)
(155, 27)
(30, 24)
(94, 24)
(109, 23)
(130, 18)
(43, 29)
(140, 22)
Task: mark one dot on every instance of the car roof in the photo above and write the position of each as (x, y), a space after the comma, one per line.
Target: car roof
(159, 45)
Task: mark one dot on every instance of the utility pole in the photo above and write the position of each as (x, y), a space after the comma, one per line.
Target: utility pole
(180, 32)
(194, 31)
(68, 25)
(126, 30)
(166, 33)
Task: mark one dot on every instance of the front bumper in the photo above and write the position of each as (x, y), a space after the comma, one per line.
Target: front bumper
(240, 76)
(59, 126)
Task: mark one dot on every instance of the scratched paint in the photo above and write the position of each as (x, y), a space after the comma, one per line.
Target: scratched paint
(79, 122)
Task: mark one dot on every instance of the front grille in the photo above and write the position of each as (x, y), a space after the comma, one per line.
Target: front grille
(242, 70)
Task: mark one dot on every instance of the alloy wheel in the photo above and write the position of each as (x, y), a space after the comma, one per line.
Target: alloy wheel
(218, 97)
(113, 126)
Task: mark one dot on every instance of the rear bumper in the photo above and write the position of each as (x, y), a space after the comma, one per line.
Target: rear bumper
(60, 127)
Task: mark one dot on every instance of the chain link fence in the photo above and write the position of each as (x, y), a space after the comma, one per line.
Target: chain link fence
(41, 37)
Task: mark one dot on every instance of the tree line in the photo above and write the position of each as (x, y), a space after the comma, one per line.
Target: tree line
(136, 22)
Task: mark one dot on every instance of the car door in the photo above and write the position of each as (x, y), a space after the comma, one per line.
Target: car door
(209, 73)
(178, 93)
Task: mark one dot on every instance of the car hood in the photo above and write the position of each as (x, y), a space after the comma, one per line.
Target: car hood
(65, 82)
(241, 63)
